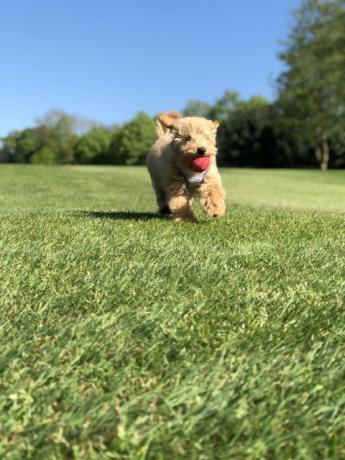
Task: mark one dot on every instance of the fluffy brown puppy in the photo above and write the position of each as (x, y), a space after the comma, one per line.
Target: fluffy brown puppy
(182, 164)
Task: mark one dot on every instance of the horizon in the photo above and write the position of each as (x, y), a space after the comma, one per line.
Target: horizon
(137, 58)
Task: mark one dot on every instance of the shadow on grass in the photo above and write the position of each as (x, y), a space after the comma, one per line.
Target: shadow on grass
(120, 215)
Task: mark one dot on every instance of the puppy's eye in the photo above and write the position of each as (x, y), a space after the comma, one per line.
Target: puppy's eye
(188, 138)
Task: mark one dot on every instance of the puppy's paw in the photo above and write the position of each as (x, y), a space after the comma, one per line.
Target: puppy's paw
(185, 218)
(164, 210)
(214, 209)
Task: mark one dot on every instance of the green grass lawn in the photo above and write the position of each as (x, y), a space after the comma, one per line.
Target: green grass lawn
(126, 336)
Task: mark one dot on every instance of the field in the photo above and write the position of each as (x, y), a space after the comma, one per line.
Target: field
(126, 336)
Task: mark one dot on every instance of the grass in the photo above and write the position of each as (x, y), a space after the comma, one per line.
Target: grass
(125, 336)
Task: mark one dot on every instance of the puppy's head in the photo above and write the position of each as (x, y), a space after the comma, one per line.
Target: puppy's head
(192, 136)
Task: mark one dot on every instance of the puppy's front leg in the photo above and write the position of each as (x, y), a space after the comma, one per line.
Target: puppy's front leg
(180, 206)
(212, 198)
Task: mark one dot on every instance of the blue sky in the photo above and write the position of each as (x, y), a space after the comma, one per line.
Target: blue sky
(108, 59)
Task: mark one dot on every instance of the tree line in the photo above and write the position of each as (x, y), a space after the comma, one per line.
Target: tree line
(303, 127)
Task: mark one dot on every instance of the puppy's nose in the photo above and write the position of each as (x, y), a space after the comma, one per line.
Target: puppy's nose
(201, 151)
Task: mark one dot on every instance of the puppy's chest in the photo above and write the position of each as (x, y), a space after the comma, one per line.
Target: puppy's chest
(193, 179)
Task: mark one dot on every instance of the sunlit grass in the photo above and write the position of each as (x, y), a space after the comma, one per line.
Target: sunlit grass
(126, 336)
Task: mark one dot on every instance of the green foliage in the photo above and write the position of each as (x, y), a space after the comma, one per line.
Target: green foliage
(125, 336)
(44, 156)
(225, 105)
(54, 133)
(93, 146)
(8, 148)
(19, 146)
(312, 89)
(62, 137)
(195, 108)
(246, 137)
(58, 138)
(132, 141)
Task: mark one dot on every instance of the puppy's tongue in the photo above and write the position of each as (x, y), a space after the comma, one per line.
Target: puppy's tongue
(199, 164)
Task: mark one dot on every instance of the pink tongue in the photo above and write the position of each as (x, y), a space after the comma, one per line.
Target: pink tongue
(199, 164)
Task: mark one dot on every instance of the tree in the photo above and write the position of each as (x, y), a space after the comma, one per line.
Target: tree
(220, 110)
(195, 108)
(62, 137)
(247, 136)
(8, 148)
(132, 141)
(44, 156)
(93, 146)
(55, 132)
(225, 106)
(20, 146)
(312, 89)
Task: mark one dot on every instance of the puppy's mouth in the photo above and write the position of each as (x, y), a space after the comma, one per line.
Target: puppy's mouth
(198, 155)
(201, 152)
(199, 163)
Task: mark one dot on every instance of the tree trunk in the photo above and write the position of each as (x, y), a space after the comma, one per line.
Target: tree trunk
(325, 152)
(322, 152)
(318, 153)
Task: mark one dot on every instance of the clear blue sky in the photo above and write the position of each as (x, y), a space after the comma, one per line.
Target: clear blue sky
(108, 59)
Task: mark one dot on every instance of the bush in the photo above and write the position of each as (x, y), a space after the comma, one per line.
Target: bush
(44, 156)
(93, 147)
(132, 142)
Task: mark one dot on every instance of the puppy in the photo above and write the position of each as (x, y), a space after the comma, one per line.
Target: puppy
(182, 165)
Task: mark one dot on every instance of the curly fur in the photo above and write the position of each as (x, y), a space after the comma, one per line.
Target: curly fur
(178, 139)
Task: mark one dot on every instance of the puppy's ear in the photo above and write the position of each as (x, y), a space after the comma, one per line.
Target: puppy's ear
(166, 122)
(215, 124)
